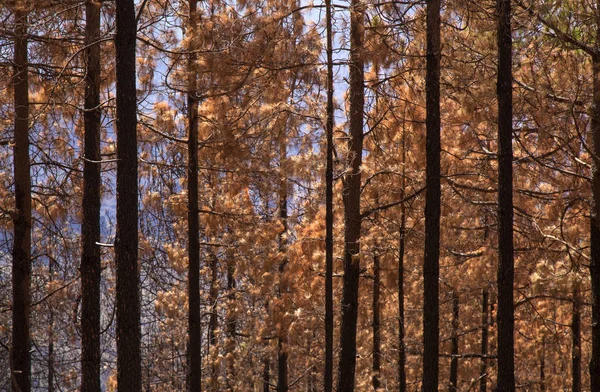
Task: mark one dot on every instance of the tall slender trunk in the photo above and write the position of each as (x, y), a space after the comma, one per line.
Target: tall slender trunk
(505, 316)
(194, 377)
(351, 197)
(129, 376)
(453, 387)
(431, 263)
(484, 341)
(328, 375)
(282, 339)
(376, 323)
(401, 252)
(595, 215)
(90, 228)
(21, 253)
(576, 340)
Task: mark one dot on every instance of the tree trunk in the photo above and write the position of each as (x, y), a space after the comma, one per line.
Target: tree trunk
(282, 339)
(90, 228)
(454, 349)
(431, 269)
(484, 342)
(351, 197)
(51, 337)
(126, 240)
(194, 377)
(266, 375)
(505, 317)
(576, 340)
(376, 324)
(21, 253)
(328, 376)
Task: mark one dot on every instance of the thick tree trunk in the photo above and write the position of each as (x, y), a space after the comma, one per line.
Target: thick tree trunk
(129, 377)
(328, 375)
(194, 376)
(282, 339)
(576, 340)
(90, 228)
(351, 197)
(484, 342)
(431, 269)
(21, 264)
(453, 387)
(506, 366)
(376, 324)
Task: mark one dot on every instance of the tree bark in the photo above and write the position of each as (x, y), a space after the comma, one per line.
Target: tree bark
(453, 387)
(21, 252)
(213, 323)
(90, 228)
(543, 366)
(328, 375)
(376, 324)
(231, 323)
(505, 277)
(194, 377)
(126, 240)
(431, 269)
(351, 197)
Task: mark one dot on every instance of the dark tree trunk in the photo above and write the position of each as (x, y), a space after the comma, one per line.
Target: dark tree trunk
(401, 252)
(576, 340)
(376, 324)
(431, 269)
(351, 197)
(51, 337)
(328, 376)
(21, 253)
(453, 387)
(129, 376)
(282, 339)
(484, 342)
(90, 228)
(505, 317)
(194, 376)
(595, 218)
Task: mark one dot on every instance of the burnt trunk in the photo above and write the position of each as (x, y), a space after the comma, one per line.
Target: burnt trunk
(90, 228)
(401, 252)
(21, 253)
(376, 324)
(431, 268)
(351, 197)
(282, 350)
(194, 377)
(129, 376)
(505, 277)
(576, 340)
